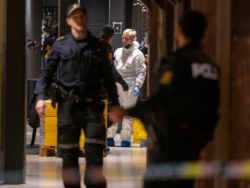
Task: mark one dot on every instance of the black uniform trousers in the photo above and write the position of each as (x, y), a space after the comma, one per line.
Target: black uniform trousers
(71, 119)
(174, 142)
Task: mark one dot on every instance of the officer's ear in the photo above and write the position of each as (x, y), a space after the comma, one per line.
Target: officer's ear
(182, 40)
(178, 33)
(68, 21)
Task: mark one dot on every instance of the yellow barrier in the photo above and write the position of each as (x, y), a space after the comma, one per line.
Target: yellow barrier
(138, 131)
(51, 125)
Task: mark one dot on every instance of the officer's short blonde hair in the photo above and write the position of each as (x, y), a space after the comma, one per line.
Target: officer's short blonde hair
(131, 33)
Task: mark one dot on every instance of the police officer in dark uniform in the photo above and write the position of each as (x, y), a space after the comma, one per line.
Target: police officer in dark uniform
(181, 116)
(84, 68)
(106, 37)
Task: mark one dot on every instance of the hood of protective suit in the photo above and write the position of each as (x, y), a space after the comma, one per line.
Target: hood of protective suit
(135, 45)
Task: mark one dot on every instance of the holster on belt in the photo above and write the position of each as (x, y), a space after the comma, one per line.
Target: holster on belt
(53, 95)
(60, 93)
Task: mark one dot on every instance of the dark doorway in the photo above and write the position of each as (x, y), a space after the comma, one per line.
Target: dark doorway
(98, 13)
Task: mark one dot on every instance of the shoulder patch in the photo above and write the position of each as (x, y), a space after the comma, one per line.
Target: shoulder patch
(204, 70)
(47, 54)
(111, 58)
(166, 78)
(60, 38)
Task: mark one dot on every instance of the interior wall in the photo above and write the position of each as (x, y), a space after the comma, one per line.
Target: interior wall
(1, 61)
(240, 90)
(157, 40)
(117, 13)
(128, 13)
(98, 15)
(64, 29)
(239, 137)
(170, 27)
(13, 92)
(139, 21)
(50, 2)
(217, 44)
(33, 32)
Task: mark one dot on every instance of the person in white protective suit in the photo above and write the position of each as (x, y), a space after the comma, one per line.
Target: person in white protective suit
(130, 63)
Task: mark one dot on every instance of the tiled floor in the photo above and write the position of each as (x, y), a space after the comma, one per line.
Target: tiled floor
(123, 168)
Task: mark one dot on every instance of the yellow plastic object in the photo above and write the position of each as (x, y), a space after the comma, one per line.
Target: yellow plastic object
(50, 139)
(138, 131)
(51, 125)
(51, 112)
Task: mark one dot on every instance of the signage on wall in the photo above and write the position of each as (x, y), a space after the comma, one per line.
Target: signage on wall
(117, 27)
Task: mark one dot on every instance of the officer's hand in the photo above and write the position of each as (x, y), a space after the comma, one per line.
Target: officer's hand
(146, 57)
(41, 107)
(136, 91)
(117, 113)
(125, 86)
(202, 155)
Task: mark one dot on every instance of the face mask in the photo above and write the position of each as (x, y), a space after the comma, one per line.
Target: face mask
(127, 46)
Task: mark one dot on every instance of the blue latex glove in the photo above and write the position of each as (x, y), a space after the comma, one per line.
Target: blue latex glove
(136, 91)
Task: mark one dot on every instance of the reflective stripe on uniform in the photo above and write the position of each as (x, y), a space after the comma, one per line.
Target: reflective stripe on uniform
(94, 141)
(68, 146)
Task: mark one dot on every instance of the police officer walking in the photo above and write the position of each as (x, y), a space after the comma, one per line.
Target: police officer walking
(84, 67)
(106, 37)
(180, 118)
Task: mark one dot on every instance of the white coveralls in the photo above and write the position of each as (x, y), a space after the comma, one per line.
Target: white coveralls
(130, 63)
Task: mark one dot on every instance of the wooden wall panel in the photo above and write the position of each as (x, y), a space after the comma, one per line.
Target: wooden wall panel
(157, 42)
(1, 61)
(157, 38)
(217, 44)
(240, 82)
(208, 7)
(239, 132)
